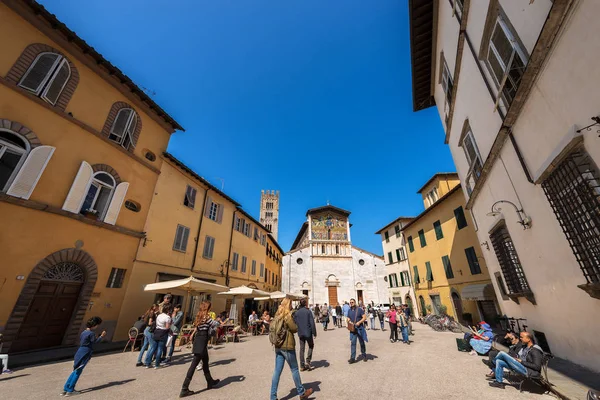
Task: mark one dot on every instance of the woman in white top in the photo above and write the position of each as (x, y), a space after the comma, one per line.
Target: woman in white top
(158, 341)
(334, 315)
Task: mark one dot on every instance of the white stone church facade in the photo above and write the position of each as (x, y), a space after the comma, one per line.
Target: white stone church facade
(324, 265)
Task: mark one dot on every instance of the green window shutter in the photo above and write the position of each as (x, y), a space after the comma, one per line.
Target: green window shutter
(402, 278)
(422, 238)
(417, 280)
(390, 257)
(438, 230)
(461, 221)
(390, 280)
(398, 254)
(473, 262)
(447, 267)
(411, 246)
(429, 276)
(387, 237)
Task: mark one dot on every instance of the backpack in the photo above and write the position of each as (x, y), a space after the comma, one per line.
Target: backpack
(278, 332)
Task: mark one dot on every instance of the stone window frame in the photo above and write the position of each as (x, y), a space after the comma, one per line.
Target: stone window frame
(110, 120)
(26, 59)
(85, 261)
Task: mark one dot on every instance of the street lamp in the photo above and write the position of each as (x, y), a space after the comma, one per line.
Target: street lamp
(524, 220)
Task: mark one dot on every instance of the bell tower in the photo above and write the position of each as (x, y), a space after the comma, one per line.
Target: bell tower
(269, 210)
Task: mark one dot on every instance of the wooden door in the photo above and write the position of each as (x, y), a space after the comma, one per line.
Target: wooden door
(333, 299)
(359, 294)
(456, 300)
(48, 316)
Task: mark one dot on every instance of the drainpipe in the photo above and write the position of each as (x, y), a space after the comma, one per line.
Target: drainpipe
(199, 228)
(229, 252)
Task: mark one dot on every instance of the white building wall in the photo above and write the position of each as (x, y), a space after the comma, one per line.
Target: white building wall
(565, 94)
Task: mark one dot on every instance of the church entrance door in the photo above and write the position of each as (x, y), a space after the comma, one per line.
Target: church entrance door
(333, 299)
(359, 295)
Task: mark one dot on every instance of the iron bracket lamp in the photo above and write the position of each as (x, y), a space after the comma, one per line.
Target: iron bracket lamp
(589, 127)
(524, 220)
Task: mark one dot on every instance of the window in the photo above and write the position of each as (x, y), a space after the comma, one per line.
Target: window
(150, 156)
(398, 255)
(361, 262)
(247, 227)
(406, 278)
(209, 247)
(429, 276)
(397, 230)
(133, 205)
(473, 158)
(214, 211)
(123, 128)
(447, 267)
(262, 270)
(505, 59)
(244, 261)
(572, 190)
(457, 8)
(500, 282)
(432, 196)
(116, 278)
(190, 197)
(390, 257)
(422, 238)
(269, 206)
(99, 194)
(411, 246)
(269, 214)
(416, 271)
(473, 262)
(299, 261)
(387, 236)
(253, 270)
(181, 238)
(238, 224)
(509, 261)
(393, 280)
(47, 76)
(255, 233)
(13, 151)
(461, 221)
(446, 82)
(437, 226)
(235, 262)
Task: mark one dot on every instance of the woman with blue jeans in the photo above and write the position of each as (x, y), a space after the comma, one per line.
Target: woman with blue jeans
(403, 325)
(83, 355)
(149, 318)
(286, 352)
(158, 340)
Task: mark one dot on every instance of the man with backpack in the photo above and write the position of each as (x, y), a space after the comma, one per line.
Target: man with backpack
(281, 336)
(306, 331)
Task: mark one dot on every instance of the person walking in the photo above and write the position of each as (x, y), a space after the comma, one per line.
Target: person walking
(408, 315)
(391, 316)
(402, 325)
(325, 316)
(340, 313)
(372, 316)
(149, 319)
(83, 355)
(345, 310)
(333, 315)
(159, 337)
(204, 326)
(317, 313)
(281, 335)
(306, 332)
(356, 317)
(175, 328)
(381, 317)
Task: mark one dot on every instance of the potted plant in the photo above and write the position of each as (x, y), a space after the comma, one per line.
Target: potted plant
(443, 309)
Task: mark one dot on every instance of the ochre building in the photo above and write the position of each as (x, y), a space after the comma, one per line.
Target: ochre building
(447, 267)
(78, 166)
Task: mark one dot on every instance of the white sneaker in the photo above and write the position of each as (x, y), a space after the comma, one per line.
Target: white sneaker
(199, 367)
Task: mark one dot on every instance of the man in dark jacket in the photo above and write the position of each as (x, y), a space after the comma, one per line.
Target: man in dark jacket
(306, 331)
(514, 346)
(528, 361)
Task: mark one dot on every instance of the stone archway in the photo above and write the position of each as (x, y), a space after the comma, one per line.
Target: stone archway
(47, 271)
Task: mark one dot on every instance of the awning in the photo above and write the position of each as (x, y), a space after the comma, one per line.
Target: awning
(481, 291)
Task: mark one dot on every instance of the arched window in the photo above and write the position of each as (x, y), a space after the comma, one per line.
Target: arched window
(99, 194)
(47, 76)
(123, 128)
(13, 150)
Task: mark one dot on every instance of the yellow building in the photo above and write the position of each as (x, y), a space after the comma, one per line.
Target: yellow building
(78, 146)
(445, 257)
(195, 229)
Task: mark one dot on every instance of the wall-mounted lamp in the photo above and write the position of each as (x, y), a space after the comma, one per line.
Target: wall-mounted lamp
(225, 263)
(524, 220)
(485, 244)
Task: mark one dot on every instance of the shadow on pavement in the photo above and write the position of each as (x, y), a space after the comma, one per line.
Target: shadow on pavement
(224, 382)
(312, 385)
(182, 359)
(106, 385)
(371, 357)
(319, 364)
(221, 362)
(13, 377)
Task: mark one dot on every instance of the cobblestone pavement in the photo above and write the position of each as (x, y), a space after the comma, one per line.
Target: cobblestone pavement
(430, 368)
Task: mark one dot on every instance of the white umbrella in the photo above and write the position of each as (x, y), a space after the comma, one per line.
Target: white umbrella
(281, 295)
(245, 292)
(185, 286)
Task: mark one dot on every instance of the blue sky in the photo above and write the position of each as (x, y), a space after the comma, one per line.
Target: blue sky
(311, 98)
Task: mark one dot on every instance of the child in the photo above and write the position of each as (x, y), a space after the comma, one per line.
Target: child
(83, 355)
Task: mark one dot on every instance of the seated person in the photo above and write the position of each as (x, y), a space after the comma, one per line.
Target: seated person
(514, 346)
(252, 320)
(481, 341)
(266, 321)
(528, 361)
